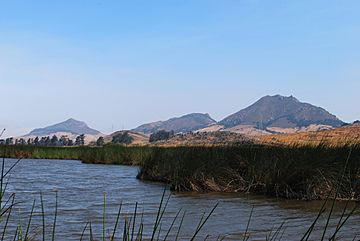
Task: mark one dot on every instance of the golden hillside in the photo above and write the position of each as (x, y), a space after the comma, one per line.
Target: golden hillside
(138, 138)
(336, 137)
(205, 139)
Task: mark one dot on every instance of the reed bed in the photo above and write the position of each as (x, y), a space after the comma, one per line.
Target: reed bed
(299, 172)
(108, 154)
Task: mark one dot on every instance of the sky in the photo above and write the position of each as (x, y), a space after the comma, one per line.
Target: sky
(119, 64)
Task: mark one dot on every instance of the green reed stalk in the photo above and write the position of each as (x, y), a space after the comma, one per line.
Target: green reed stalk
(134, 221)
(55, 216)
(16, 234)
(158, 215)
(332, 238)
(104, 219)
(172, 224)
(83, 232)
(248, 224)
(310, 229)
(29, 222)
(180, 225)
(116, 223)
(42, 215)
(91, 233)
(8, 217)
(202, 223)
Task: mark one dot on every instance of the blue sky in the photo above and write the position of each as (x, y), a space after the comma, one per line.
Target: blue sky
(124, 63)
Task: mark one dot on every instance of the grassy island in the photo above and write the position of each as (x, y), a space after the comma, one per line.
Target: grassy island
(300, 172)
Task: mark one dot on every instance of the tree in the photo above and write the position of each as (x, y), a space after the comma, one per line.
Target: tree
(42, 141)
(9, 141)
(161, 135)
(70, 143)
(100, 141)
(64, 141)
(122, 138)
(54, 140)
(47, 141)
(36, 141)
(30, 141)
(22, 142)
(80, 140)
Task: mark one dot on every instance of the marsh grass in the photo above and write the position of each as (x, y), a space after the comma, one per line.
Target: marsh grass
(304, 172)
(108, 154)
(299, 172)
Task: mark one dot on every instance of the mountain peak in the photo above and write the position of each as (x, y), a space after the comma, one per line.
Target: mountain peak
(280, 97)
(72, 120)
(70, 126)
(281, 111)
(185, 123)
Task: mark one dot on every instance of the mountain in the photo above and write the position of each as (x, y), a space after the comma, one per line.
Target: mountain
(184, 123)
(283, 112)
(70, 126)
(357, 122)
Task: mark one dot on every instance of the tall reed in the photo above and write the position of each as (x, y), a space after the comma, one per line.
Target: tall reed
(301, 172)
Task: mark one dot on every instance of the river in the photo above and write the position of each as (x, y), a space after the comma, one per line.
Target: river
(81, 189)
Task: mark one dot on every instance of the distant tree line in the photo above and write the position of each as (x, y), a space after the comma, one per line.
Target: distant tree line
(122, 138)
(161, 135)
(45, 141)
(100, 141)
(118, 138)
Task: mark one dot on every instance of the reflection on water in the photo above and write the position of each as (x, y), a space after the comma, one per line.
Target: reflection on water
(81, 189)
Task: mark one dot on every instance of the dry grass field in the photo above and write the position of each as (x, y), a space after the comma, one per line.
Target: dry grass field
(336, 137)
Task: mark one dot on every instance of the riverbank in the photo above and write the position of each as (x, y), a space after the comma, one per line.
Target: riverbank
(289, 172)
(108, 154)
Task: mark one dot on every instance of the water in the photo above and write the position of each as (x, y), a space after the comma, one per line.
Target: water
(81, 189)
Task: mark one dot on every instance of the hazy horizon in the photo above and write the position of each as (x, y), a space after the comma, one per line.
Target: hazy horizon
(113, 127)
(120, 64)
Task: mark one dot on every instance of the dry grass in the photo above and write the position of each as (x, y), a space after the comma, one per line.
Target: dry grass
(336, 137)
(138, 138)
(218, 138)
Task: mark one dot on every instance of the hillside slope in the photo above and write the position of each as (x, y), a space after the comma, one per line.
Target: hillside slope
(184, 124)
(69, 126)
(217, 138)
(283, 112)
(349, 134)
(138, 138)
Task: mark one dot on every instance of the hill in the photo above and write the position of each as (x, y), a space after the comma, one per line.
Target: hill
(348, 134)
(217, 138)
(183, 124)
(138, 138)
(69, 126)
(280, 112)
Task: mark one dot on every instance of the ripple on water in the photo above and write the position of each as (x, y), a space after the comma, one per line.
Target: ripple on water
(81, 189)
